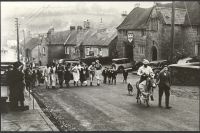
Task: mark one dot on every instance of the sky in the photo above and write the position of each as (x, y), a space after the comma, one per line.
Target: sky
(39, 16)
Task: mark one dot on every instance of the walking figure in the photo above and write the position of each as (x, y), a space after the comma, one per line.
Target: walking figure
(125, 75)
(91, 72)
(98, 68)
(105, 75)
(164, 83)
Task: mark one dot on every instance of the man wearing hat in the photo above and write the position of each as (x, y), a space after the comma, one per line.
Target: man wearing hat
(164, 83)
(144, 71)
(17, 87)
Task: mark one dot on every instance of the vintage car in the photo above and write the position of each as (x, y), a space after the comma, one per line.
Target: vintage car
(4, 85)
(122, 63)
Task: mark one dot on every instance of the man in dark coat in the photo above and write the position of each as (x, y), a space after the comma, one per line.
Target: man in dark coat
(28, 78)
(60, 72)
(164, 83)
(105, 75)
(67, 74)
(83, 75)
(17, 86)
(125, 75)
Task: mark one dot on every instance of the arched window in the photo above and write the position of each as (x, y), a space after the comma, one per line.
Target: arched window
(43, 50)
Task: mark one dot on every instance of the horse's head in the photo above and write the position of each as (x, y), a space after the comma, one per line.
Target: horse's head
(151, 80)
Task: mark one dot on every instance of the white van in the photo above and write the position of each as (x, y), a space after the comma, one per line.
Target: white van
(122, 63)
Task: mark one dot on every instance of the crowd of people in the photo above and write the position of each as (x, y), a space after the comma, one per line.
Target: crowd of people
(19, 78)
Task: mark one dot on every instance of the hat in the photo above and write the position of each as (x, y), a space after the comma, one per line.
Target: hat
(145, 62)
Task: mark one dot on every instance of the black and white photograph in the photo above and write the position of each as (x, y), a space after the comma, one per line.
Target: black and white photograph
(100, 65)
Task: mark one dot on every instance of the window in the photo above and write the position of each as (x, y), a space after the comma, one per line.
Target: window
(66, 50)
(154, 24)
(143, 33)
(198, 30)
(197, 49)
(141, 49)
(43, 51)
(87, 50)
(104, 52)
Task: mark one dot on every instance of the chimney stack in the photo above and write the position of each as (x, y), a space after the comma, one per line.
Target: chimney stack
(86, 24)
(79, 28)
(72, 28)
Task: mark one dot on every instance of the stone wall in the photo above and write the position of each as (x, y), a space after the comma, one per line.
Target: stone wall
(190, 38)
(139, 40)
(44, 56)
(185, 75)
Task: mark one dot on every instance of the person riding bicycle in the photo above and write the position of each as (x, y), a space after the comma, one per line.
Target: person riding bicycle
(144, 71)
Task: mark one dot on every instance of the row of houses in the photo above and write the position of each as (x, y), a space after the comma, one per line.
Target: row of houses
(71, 44)
(150, 29)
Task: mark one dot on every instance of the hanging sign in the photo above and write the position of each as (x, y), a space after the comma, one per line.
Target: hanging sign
(130, 36)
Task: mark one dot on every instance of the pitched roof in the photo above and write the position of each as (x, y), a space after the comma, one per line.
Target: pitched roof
(166, 15)
(71, 38)
(98, 37)
(32, 43)
(92, 37)
(59, 37)
(136, 19)
(193, 8)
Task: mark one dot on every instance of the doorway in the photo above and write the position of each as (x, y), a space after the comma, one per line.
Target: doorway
(154, 53)
(129, 51)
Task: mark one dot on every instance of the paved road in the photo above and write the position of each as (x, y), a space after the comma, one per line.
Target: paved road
(108, 107)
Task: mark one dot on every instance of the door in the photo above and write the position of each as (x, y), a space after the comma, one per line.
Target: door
(154, 53)
(129, 51)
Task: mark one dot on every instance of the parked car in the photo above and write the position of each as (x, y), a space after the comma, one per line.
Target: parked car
(72, 62)
(188, 60)
(158, 65)
(122, 63)
(137, 65)
(4, 83)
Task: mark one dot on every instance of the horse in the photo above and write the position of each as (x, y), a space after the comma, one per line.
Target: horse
(145, 89)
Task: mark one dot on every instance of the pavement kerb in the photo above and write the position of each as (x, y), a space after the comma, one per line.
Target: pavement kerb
(36, 106)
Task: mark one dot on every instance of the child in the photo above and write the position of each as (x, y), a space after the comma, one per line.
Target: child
(83, 75)
(114, 74)
(105, 74)
(109, 73)
(125, 75)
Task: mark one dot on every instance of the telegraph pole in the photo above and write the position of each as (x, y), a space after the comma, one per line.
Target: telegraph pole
(172, 33)
(17, 26)
(24, 44)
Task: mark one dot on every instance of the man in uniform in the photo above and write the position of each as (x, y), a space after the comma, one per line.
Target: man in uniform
(17, 86)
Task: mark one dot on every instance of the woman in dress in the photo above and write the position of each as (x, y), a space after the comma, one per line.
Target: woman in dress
(76, 74)
(98, 72)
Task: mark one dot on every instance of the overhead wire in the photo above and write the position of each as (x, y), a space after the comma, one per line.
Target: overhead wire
(35, 15)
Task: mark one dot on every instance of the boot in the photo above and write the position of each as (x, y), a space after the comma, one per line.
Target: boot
(90, 83)
(167, 103)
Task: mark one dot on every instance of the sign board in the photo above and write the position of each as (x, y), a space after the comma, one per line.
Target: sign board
(130, 36)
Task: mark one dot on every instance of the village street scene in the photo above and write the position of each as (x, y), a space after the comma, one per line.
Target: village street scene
(100, 66)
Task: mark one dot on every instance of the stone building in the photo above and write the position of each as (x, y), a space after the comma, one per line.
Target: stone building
(151, 30)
